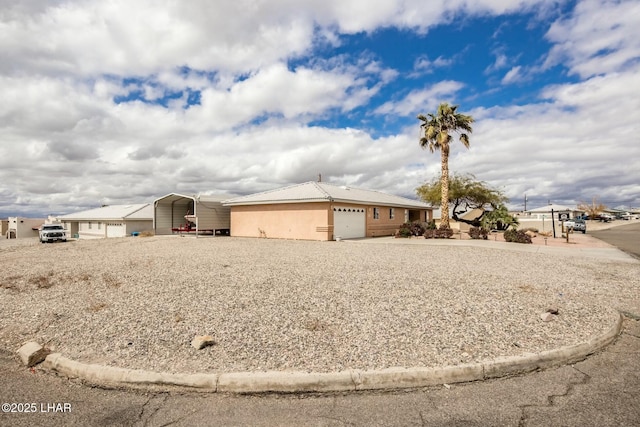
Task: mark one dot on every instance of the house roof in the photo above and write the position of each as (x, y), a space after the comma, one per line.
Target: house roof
(547, 208)
(324, 192)
(134, 212)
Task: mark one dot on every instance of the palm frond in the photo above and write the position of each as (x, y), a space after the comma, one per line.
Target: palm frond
(464, 138)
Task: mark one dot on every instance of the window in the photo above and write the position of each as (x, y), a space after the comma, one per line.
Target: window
(90, 226)
(391, 213)
(99, 226)
(376, 213)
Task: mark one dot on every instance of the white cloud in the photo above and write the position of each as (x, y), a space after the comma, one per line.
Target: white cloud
(514, 75)
(97, 37)
(425, 65)
(570, 148)
(596, 38)
(419, 101)
(501, 62)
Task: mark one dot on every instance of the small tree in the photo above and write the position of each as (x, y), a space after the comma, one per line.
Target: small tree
(594, 209)
(465, 193)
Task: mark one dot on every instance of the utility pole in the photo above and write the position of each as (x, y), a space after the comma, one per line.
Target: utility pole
(525, 202)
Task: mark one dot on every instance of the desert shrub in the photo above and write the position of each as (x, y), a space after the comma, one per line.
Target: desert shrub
(431, 225)
(404, 230)
(408, 229)
(438, 233)
(478, 233)
(516, 236)
(444, 233)
(417, 228)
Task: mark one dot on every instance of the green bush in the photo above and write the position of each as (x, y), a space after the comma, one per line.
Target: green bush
(404, 231)
(478, 233)
(516, 236)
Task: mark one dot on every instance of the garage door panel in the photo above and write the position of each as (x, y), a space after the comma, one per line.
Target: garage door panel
(115, 230)
(349, 222)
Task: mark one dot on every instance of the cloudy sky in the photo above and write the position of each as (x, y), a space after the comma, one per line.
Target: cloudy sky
(110, 102)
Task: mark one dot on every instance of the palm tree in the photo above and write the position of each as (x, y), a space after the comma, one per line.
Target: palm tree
(437, 136)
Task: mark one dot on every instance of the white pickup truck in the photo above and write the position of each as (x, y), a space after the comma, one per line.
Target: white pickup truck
(576, 224)
(52, 232)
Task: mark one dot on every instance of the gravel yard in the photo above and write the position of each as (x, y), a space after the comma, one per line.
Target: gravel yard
(294, 305)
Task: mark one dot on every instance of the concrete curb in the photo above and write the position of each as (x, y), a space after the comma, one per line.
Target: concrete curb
(350, 380)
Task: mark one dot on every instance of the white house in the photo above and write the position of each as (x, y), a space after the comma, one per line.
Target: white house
(560, 212)
(109, 221)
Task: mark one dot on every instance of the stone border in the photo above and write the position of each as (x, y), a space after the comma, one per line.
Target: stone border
(349, 380)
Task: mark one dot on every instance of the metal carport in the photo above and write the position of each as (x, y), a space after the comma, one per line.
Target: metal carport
(178, 213)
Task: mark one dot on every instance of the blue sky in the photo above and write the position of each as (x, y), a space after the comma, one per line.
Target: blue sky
(119, 102)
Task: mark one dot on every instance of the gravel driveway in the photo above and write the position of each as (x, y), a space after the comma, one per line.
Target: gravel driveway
(295, 305)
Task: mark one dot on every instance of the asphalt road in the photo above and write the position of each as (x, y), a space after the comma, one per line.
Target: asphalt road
(603, 390)
(625, 237)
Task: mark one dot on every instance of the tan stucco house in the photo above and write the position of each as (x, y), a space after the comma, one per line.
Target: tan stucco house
(322, 211)
(19, 227)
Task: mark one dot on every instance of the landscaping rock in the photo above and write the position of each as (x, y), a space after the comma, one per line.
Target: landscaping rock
(201, 341)
(547, 317)
(32, 353)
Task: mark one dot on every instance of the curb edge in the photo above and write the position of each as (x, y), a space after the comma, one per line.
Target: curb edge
(349, 380)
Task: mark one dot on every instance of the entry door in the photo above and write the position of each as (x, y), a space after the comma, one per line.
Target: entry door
(349, 222)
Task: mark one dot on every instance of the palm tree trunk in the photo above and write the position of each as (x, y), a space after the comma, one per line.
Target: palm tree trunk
(444, 184)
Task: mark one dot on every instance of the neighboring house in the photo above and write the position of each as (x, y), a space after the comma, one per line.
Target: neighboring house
(616, 213)
(322, 211)
(19, 227)
(176, 213)
(4, 227)
(109, 221)
(560, 212)
(628, 209)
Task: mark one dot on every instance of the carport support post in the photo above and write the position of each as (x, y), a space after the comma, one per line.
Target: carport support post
(553, 224)
(196, 225)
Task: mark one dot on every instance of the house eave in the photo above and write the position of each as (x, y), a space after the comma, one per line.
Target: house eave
(324, 200)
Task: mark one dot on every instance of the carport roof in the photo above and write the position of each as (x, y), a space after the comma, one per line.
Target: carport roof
(142, 211)
(172, 197)
(324, 192)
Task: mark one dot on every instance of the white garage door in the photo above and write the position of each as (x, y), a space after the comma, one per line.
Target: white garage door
(348, 222)
(115, 229)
